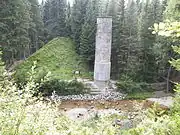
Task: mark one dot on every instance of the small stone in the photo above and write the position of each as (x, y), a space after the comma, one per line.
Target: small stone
(65, 109)
(102, 103)
(118, 122)
(106, 107)
(80, 114)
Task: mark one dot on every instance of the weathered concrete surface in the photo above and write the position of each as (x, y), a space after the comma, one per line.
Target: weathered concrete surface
(102, 67)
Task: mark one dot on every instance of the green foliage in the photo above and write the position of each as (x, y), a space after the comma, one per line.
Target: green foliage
(62, 87)
(22, 113)
(36, 30)
(87, 37)
(77, 20)
(2, 68)
(21, 29)
(15, 18)
(126, 84)
(156, 123)
(97, 125)
(173, 10)
(164, 125)
(141, 95)
(54, 17)
(58, 57)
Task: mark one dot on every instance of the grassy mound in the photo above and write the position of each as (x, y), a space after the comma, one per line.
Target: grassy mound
(58, 57)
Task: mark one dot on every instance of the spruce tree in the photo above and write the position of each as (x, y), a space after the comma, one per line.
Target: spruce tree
(87, 38)
(150, 14)
(133, 50)
(62, 5)
(113, 11)
(54, 17)
(68, 20)
(36, 30)
(15, 16)
(77, 20)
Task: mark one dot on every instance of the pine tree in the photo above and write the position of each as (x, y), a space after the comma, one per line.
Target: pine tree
(132, 13)
(78, 18)
(54, 17)
(15, 16)
(87, 38)
(68, 20)
(36, 30)
(113, 11)
(46, 12)
(151, 13)
(62, 5)
(122, 42)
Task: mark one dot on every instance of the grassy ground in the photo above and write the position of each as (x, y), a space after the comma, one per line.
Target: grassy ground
(140, 95)
(58, 57)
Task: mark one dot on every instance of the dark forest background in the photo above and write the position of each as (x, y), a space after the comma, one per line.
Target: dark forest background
(26, 26)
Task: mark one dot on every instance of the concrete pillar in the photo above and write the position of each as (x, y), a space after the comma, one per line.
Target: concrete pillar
(102, 67)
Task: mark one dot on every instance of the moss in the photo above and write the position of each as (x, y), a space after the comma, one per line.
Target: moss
(58, 56)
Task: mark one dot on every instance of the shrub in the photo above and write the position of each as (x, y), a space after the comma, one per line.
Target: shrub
(176, 107)
(62, 87)
(46, 84)
(23, 114)
(164, 124)
(126, 84)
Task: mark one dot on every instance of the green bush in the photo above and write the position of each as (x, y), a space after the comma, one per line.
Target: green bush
(62, 87)
(46, 84)
(176, 107)
(24, 114)
(126, 84)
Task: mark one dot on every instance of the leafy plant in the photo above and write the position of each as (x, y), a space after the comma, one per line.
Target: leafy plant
(62, 87)
(156, 122)
(126, 84)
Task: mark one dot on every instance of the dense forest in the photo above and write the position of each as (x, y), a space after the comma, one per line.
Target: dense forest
(47, 53)
(27, 25)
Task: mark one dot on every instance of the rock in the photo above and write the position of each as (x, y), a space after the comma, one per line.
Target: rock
(102, 102)
(164, 101)
(106, 107)
(125, 124)
(85, 114)
(65, 109)
(118, 122)
(80, 113)
(88, 97)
